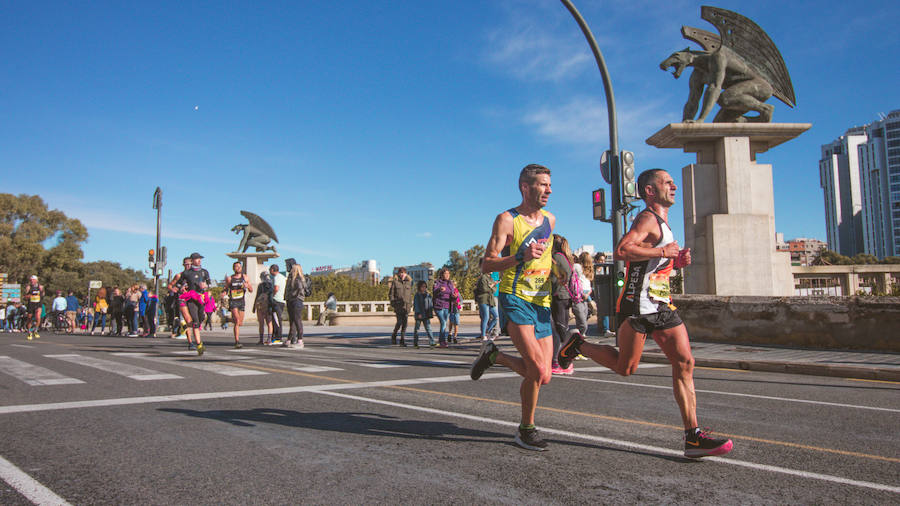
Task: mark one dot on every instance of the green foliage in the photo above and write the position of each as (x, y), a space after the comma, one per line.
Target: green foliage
(345, 288)
(464, 269)
(828, 257)
(47, 243)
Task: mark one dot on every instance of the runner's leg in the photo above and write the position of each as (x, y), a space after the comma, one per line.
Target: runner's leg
(533, 365)
(675, 344)
(623, 361)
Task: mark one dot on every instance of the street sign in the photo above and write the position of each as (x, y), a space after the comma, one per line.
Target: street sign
(95, 284)
(11, 292)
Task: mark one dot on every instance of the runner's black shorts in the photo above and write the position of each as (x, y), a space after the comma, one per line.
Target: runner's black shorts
(195, 309)
(666, 318)
(32, 307)
(236, 304)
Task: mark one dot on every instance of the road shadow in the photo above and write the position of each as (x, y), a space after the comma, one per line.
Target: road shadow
(374, 424)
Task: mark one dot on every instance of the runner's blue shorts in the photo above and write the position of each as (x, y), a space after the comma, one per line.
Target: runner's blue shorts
(521, 312)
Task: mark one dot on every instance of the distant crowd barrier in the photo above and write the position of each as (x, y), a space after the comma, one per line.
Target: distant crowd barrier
(363, 312)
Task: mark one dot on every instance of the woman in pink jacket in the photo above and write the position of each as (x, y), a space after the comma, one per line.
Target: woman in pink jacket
(209, 307)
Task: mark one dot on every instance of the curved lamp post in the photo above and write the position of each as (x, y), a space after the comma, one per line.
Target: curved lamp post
(619, 208)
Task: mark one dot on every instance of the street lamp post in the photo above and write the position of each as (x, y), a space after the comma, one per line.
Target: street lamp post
(157, 204)
(619, 207)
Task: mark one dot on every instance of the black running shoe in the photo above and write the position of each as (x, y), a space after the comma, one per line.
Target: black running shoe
(571, 349)
(701, 444)
(484, 359)
(530, 440)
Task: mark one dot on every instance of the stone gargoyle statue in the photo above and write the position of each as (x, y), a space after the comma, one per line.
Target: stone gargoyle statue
(257, 233)
(739, 69)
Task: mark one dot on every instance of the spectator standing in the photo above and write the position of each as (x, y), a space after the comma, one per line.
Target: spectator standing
(261, 306)
(562, 298)
(142, 310)
(423, 309)
(279, 282)
(101, 307)
(9, 321)
(487, 302)
(297, 289)
(602, 319)
(209, 307)
(224, 302)
(455, 306)
(329, 310)
(72, 307)
(130, 310)
(116, 308)
(58, 308)
(580, 308)
(152, 310)
(4, 326)
(441, 294)
(400, 294)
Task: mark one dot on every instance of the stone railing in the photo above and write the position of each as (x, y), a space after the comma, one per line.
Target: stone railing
(312, 309)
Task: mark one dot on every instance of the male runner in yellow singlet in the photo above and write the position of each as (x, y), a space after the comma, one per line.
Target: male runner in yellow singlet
(520, 249)
(645, 308)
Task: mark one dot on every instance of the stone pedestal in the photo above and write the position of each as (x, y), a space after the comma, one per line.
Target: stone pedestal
(729, 207)
(254, 263)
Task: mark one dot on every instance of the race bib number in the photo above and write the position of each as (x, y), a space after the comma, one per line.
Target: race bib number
(237, 294)
(658, 287)
(34, 298)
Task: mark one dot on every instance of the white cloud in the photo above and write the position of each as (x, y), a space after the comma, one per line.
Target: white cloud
(424, 234)
(533, 50)
(583, 122)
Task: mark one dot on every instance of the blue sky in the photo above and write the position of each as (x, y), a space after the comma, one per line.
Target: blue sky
(388, 130)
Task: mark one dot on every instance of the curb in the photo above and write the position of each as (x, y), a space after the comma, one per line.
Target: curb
(871, 373)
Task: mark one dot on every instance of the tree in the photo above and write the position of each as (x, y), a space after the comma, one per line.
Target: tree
(47, 243)
(26, 227)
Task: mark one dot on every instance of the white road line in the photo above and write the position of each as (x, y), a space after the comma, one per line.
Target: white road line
(32, 489)
(130, 371)
(377, 365)
(32, 374)
(293, 366)
(627, 444)
(213, 367)
(736, 394)
(22, 346)
(125, 401)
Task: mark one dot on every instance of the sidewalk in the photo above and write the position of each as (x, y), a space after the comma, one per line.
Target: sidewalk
(835, 363)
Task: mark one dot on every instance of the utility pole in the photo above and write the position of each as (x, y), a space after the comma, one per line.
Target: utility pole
(619, 177)
(157, 204)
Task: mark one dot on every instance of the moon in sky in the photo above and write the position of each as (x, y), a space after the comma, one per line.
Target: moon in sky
(196, 107)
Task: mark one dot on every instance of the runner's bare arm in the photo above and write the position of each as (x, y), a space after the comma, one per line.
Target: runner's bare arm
(247, 284)
(171, 285)
(501, 235)
(637, 244)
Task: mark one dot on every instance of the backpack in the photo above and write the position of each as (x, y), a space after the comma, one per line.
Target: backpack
(573, 285)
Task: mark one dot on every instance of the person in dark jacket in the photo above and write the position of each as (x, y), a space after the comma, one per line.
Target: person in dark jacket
(400, 294)
(296, 290)
(442, 293)
(261, 308)
(116, 311)
(424, 311)
(487, 303)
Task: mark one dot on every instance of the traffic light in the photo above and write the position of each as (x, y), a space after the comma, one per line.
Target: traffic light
(629, 185)
(151, 257)
(620, 279)
(599, 202)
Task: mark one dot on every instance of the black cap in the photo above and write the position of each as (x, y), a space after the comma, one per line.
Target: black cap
(195, 256)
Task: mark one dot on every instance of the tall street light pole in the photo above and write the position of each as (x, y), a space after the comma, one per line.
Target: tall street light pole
(157, 204)
(619, 207)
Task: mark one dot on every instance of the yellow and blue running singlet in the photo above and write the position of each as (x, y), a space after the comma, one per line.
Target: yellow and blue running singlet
(530, 281)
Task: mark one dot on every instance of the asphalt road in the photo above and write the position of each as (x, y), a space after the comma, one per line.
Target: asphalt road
(104, 420)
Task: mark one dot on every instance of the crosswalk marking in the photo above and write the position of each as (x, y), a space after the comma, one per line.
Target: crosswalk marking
(293, 366)
(130, 371)
(32, 374)
(22, 345)
(213, 367)
(379, 365)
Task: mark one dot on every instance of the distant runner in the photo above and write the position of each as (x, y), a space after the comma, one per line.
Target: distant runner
(33, 294)
(237, 285)
(644, 307)
(197, 281)
(523, 236)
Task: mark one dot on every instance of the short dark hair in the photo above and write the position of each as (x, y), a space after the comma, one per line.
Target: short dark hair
(236, 262)
(273, 267)
(644, 179)
(401, 269)
(531, 171)
(420, 284)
